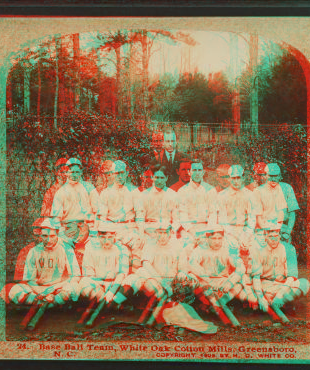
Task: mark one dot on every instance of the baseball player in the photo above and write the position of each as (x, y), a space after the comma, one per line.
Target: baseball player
(105, 265)
(238, 207)
(259, 176)
(162, 261)
(71, 201)
(159, 202)
(272, 283)
(47, 272)
(215, 268)
(271, 197)
(222, 177)
(118, 204)
(197, 202)
(61, 172)
(183, 173)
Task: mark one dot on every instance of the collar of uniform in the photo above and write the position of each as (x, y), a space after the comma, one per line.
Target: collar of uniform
(270, 188)
(155, 190)
(195, 185)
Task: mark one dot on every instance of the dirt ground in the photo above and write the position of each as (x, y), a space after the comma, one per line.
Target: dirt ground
(256, 326)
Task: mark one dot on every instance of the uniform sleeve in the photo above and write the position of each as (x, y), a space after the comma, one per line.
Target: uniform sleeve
(88, 267)
(148, 253)
(257, 266)
(175, 215)
(280, 201)
(123, 259)
(94, 201)
(103, 205)
(212, 205)
(57, 208)
(30, 271)
(291, 258)
(256, 207)
(222, 211)
(138, 206)
(183, 209)
(73, 266)
(289, 194)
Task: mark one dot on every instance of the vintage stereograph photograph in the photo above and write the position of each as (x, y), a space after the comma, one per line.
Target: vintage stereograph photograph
(154, 199)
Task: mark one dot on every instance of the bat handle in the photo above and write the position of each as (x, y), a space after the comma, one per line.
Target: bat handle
(87, 312)
(95, 314)
(277, 313)
(157, 310)
(42, 307)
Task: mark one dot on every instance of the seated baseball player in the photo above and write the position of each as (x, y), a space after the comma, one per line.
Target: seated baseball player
(105, 265)
(48, 273)
(272, 282)
(162, 260)
(215, 269)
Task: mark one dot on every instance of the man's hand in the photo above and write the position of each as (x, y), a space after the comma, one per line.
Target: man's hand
(253, 302)
(109, 297)
(263, 304)
(49, 298)
(226, 287)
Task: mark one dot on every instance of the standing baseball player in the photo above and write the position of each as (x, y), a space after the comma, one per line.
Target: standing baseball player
(105, 265)
(222, 177)
(197, 202)
(238, 207)
(61, 172)
(259, 175)
(271, 197)
(159, 202)
(71, 202)
(118, 204)
(183, 173)
(47, 272)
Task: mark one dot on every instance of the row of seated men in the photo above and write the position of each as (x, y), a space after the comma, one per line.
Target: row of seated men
(264, 273)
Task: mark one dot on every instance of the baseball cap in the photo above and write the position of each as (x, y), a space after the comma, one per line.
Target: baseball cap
(163, 225)
(61, 162)
(107, 166)
(74, 161)
(273, 169)
(259, 167)
(120, 166)
(106, 227)
(223, 169)
(235, 170)
(211, 229)
(273, 227)
(49, 224)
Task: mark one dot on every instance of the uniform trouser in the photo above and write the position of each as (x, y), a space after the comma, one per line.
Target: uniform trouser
(91, 287)
(127, 234)
(24, 293)
(141, 279)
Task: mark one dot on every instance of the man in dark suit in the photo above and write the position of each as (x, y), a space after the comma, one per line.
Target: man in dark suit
(170, 157)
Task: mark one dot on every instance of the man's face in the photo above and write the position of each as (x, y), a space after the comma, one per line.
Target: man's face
(273, 239)
(260, 178)
(223, 180)
(147, 179)
(197, 172)
(157, 141)
(215, 241)
(107, 240)
(236, 182)
(184, 171)
(62, 174)
(109, 177)
(260, 236)
(273, 180)
(163, 236)
(170, 142)
(160, 179)
(120, 176)
(75, 173)
(72, 229)
(49, 238)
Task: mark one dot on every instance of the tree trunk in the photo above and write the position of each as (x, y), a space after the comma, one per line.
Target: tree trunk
(26, 88)
(254, 82)
(145, 58)
(76, 59)
(39, 87)
(56, 85)
(118, 80)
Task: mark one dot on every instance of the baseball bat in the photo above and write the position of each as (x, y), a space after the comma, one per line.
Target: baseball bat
(43, 305)
(32, 311)
(88, 311)
(157, 309)
(276, 313)
(150, 306)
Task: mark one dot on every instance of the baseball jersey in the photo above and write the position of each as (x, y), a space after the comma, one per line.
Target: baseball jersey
(270, 263)
(100, 262)
(49, 264)
(161, 205)
(291, 201)
(272, 201)
(87, 185)
(252, 186)
(177, 185)
(48, 199)
(196, 203)
(71, 202)
(164, 259)
(118, 204)
(21, 260)
(216, 263)
(235, 206)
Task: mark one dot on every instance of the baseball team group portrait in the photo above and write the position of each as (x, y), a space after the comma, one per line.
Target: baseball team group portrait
(156, 188)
